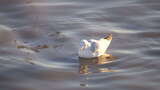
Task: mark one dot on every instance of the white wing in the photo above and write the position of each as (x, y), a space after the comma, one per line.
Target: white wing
(104, 45)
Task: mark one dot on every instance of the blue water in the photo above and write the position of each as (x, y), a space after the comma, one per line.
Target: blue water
(51, 31)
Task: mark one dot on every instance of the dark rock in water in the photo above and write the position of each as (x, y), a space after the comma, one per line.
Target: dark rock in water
(7, 36)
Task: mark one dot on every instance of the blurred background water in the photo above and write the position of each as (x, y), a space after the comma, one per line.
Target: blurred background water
(39, 41)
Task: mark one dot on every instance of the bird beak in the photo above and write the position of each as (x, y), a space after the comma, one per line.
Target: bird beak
(109, 37)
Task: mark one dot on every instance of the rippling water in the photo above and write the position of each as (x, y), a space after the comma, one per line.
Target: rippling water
(39, 39)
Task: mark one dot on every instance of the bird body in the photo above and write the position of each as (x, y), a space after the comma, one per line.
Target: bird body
(94, 48)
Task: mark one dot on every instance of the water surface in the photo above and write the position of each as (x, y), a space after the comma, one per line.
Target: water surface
(39, 41)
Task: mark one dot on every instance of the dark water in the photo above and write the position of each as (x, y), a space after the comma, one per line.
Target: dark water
(39, 39)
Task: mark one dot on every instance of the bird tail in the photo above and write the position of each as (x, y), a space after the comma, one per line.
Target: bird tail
(109, 37)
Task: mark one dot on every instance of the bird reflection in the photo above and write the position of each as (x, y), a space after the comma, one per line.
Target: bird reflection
(88, 66)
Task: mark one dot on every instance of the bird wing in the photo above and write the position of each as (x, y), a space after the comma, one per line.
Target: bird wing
(104, 44)
(94, 46)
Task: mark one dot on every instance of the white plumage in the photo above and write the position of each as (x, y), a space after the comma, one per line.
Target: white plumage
(94, 48)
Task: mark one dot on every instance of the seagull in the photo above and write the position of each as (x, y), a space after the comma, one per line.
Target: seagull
(94, 48)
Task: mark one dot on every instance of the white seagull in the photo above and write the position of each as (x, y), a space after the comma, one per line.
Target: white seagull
(94, 48)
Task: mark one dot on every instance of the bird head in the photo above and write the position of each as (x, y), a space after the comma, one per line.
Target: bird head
(83, 44)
